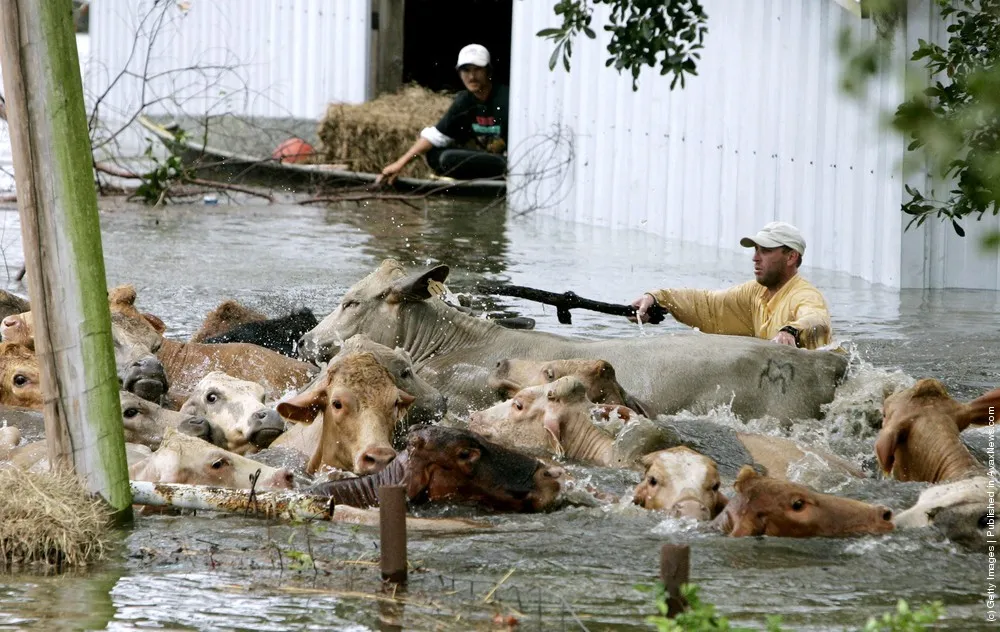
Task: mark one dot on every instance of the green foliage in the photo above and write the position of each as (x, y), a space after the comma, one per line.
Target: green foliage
(701, 617)
(643, 33)
(156, 182)
(955, 121)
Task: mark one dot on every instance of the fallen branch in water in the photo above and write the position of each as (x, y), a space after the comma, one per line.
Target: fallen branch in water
(118, 172)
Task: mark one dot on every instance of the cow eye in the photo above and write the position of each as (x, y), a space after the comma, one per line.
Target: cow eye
(984, 521)
(464, 454)
(337, 404)
(652, 481)
(798, 504)
(129, 413)
(219, 463)
(349, 303)
(405, 373)
(715, 487)
(20, 380)
(212, 397)
(156, 346)
(517, 404)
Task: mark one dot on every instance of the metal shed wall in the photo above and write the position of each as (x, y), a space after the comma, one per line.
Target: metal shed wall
(763, 133)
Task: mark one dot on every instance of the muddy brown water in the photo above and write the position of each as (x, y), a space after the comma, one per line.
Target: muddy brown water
(577, 568)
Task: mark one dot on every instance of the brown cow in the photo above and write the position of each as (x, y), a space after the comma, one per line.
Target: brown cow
(187, 363)
(919, 440)
(361, 407)
(227, 315)
(681, 482)
(598, 376)
(188, 460)
(20, 383)
(766, 506)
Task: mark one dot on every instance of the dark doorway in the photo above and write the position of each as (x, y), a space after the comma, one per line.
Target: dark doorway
(435, 30)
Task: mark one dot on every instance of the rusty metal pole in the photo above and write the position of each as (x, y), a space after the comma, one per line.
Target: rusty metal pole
(392, 532)
(675, 570)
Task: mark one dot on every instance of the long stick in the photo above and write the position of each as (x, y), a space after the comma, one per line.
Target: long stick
(62, 245)
(567, 301)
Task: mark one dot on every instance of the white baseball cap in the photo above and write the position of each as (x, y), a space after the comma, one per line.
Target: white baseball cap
(777, 234)
(475, 55)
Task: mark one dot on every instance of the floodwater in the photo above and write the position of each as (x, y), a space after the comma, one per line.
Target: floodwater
(574, 569)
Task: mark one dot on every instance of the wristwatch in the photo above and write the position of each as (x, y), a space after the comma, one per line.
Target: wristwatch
(794, 332)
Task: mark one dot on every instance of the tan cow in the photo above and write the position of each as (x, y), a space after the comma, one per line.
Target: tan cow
(190, 461)
(20, 382)
(187, 363)
(558, 418)
(361, 407)
(145, 422)
(237, 408)
(919, 440)
(227, 315)
(762, 505)
(681, 482)
(598, 376)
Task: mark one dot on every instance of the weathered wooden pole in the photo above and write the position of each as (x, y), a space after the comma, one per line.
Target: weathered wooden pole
(675, 569)
(62, 245)
(389, 73)
(392, 532)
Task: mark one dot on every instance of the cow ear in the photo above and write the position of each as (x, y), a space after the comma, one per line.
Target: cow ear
(635, 404)
(746, 475)
(157, 324)
(553, 426)
(403, 402)
(304, 407)
(885, 448)
(416, 287)
(979, 410)
(648, 459)
(604, 370)
(145, 470)
(504, 388)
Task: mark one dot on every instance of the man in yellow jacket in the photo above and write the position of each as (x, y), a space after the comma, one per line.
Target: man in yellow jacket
(779, 305)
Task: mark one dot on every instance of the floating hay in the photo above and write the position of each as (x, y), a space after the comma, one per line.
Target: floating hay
(369, 136)
(49, 518)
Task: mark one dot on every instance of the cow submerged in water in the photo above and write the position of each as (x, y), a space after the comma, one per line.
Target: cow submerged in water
(456, 353)
(443, 464)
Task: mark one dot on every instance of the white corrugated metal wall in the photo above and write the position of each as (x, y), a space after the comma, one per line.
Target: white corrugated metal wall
(762, 133)
(274, 58)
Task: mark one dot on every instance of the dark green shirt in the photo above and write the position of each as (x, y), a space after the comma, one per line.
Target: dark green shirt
(468, 118)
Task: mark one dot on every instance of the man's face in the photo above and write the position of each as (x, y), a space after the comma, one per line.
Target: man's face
(475, 78)
(770, 264)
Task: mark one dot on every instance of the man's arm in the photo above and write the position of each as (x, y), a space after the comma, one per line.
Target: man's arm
(444, 133)
(811, 319)
(727, 311)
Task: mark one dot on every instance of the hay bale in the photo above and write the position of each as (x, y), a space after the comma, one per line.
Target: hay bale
(369, 136)
(49, 518)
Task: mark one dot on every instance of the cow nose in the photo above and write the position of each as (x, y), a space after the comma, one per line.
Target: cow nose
(282, 479)
(266, 425)
(196, 427)
(10, 321)
(690, 508)
(374, 459)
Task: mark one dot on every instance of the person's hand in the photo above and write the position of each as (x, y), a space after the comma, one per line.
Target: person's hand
(642, 305)
(496, 146)
(391, 172)
(784, 338)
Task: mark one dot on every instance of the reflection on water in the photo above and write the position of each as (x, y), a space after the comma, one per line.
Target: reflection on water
(573, 568)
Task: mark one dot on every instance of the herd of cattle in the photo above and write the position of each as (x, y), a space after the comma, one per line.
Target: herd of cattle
(459, 409)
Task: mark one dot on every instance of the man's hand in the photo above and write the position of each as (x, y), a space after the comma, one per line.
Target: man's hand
(390, 173)
(784, 338)
(642, 305)
(496, 146)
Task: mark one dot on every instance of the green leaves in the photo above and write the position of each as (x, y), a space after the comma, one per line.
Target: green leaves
(643, 33)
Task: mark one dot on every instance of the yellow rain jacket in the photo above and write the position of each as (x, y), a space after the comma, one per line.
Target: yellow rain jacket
(743, 311)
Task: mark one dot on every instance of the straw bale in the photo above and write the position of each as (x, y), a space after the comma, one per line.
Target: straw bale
(369, 136)
(49, 518)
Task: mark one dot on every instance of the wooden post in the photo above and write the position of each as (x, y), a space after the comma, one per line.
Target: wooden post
(675, 569)
(389, 76)
(392, 532)
(62, 245)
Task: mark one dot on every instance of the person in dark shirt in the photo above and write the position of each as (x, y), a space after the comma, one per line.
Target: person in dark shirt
(470, 140)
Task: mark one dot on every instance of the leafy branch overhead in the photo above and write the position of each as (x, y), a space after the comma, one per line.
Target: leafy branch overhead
(668, 33)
